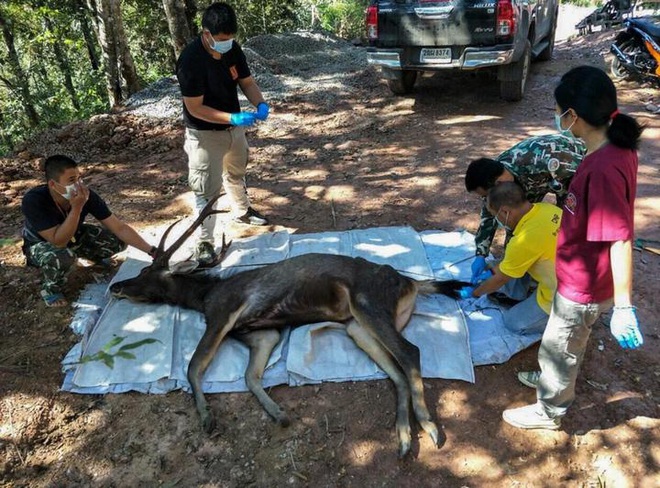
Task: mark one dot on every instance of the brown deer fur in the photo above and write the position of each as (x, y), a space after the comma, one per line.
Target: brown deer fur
(255, 305)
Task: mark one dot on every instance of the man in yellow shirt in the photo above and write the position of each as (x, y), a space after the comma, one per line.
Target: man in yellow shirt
(529, 254)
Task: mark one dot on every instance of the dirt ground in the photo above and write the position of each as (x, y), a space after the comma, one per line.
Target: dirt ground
(359, 160)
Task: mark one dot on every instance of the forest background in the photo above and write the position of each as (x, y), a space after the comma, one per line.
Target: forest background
(62, 61)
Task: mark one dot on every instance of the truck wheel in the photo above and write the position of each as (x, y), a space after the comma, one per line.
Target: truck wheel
(546, 54)
(401, 82)
(513, 77)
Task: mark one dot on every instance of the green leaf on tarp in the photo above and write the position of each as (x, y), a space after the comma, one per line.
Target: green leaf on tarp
(135, 345)
(125, 355)
(108, 358)
(117, 340)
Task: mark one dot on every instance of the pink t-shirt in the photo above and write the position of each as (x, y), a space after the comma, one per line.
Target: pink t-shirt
(599, 210)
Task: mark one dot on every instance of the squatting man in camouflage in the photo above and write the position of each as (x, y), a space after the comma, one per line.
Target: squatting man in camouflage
(55, 233)
(540, 165)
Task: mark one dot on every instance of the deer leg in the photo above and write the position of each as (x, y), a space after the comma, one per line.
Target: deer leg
(206, 349)
(261, 344)
(381, 357)
(406, 355)
(405, 308)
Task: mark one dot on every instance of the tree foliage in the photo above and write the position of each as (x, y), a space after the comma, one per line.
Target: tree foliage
(54, 58)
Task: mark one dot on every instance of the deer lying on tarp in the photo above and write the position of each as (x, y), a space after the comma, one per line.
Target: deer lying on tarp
(254, 305)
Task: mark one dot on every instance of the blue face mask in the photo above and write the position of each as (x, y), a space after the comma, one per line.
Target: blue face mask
(562, 131)
(221, 47)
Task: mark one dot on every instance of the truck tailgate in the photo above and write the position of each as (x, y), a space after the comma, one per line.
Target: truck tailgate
(406, 23)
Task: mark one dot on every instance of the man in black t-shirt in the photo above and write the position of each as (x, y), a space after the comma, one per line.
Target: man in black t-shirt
(55, 232)
(209, 71)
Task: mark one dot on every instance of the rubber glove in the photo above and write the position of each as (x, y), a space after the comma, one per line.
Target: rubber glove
(625, 327)
(466, 292)
(262, 111)
(242, 119)
(486, 275)
(478, 267)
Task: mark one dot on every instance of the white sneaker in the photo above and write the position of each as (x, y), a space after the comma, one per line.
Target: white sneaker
(530, 417)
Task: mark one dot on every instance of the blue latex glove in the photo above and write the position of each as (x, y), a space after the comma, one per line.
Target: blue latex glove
(243, 119)
(486, 275)
(478, 267)
(262, 111)
(625, 327)
(466, 292)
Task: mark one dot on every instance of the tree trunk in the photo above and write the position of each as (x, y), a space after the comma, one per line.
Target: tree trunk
(191, 13)
(63, 64)
(175, 12)
(108, 51)
(21, 79)
(121, 77)
(90, 43)
(126, 64)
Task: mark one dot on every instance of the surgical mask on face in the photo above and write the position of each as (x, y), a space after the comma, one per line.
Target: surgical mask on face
(221, 47)
(562, 131)
(506, 220)
(69, 189)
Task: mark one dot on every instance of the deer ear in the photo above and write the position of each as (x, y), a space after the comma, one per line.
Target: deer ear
(184, 267)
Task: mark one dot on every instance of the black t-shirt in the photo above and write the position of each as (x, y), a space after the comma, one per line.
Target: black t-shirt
(42, 213)
(216, 79)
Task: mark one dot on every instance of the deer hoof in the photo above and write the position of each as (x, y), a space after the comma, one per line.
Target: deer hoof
(432, 431)
(208, 422)
(284, 421)
(404, 449)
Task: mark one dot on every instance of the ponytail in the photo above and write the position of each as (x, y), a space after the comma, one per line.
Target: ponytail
(624, 131)
(590, 92)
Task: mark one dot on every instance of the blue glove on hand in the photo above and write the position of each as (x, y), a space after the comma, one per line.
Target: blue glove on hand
(625, 327)
(243, 119)
(466, 292)
(262, 111)
(486, 275)
(478, 267)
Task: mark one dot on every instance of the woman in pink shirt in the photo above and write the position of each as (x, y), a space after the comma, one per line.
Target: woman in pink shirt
(594, 247)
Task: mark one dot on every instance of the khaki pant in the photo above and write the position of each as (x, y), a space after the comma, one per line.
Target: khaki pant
(562, 351)
(217, 159)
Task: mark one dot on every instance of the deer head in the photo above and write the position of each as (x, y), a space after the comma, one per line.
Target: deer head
(156, 282)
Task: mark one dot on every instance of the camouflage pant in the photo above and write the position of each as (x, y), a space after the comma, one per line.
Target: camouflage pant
(92, 242)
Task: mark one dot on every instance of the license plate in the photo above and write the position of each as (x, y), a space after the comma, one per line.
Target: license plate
(436, 55)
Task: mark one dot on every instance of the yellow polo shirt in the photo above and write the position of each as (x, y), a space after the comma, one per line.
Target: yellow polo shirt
(532, 250)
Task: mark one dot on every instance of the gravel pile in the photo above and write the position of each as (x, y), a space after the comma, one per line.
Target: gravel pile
(316, 64)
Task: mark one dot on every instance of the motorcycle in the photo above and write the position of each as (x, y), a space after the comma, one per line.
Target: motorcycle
(637, 50)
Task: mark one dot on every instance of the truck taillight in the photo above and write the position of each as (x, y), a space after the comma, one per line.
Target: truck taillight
(372, 22)
(505, 25)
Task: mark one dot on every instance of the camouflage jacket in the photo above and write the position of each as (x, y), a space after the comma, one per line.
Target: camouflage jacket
(541, 165)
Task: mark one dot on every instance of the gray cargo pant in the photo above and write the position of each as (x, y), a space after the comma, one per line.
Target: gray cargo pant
(217, 159)
(562, 350)
(92, 242)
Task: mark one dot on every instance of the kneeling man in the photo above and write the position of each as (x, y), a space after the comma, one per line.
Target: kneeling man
(529, 253)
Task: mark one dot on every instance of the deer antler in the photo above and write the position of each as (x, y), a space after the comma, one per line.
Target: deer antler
(163, 255)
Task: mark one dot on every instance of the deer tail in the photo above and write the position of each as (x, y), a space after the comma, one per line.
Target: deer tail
(449, 288)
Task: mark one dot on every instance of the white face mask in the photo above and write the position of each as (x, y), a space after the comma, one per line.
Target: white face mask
(506, 220)
(562, 131)
(69, 189)
(221, 47)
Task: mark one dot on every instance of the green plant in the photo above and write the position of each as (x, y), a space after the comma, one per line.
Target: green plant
(108, 358)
